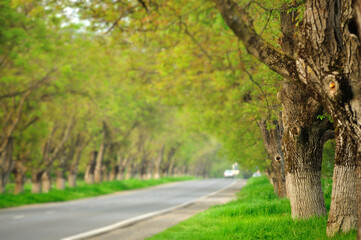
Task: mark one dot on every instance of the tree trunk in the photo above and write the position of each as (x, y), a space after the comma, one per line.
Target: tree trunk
(72, 179)
(171, 166)
(7, 164)
(128, 172)
(114, 172)
(120, 174)
(36, 181)
(343, 213)
(105, 174)
(99, 163)
(19, 172)
(158, 161)
(303, 141)
(73, 168)
(327, 59)
(60, 180)
(46, 181)
(89, 172)
(358, 193)
(273, 143)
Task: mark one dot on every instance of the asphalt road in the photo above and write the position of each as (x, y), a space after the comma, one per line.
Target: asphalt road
(69, 220)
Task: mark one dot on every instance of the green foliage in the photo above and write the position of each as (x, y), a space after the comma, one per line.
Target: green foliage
(325, 116)
(256, 214)
(167, 74)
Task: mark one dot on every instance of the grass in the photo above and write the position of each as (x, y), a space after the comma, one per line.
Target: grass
(256, 214)
(81, 191)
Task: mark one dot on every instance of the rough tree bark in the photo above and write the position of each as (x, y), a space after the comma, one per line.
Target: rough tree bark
(157, 163)
(303, 141)
(272, 139)
(343, 214)
(60, 180)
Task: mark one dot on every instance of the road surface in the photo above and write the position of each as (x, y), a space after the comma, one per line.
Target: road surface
(83, 218)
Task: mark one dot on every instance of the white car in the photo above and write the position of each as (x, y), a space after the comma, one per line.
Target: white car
(228, 174)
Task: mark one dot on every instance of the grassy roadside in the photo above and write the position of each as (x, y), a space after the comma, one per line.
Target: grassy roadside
(256, 214)
(81, 191)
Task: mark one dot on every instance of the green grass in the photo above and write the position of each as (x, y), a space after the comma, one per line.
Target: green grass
(81, 191)
(256, 214)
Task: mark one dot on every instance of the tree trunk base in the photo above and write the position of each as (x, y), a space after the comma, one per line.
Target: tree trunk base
(19, 188)
(89, 179)
(46, 182)
(36, 187)
(60, 183)
(305, 193)
(72, 180)
(343, 215)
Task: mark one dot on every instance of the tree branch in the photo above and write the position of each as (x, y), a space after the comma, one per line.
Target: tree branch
(125, 13)
(240, 23)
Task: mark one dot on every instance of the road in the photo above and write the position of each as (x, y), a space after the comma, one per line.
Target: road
(70, 220)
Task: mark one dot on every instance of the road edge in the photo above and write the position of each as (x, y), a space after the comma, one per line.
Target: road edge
(131, 221)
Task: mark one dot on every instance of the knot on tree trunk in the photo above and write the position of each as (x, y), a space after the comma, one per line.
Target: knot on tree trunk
(332, 85)
(295, 131)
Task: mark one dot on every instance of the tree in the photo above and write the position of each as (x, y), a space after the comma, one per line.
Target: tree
(272, 139)
(325, 56)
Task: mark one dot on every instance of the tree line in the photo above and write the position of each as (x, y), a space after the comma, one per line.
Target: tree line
(282, 74)
(72, 103)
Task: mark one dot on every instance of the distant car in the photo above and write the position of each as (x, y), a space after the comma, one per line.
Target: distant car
(228, 174)
(256, 174)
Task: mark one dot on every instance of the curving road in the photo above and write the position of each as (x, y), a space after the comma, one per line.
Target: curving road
(83, 218)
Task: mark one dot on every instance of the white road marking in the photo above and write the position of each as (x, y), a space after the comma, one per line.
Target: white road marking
(18, 217)
(139, 218)
(49, 212)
